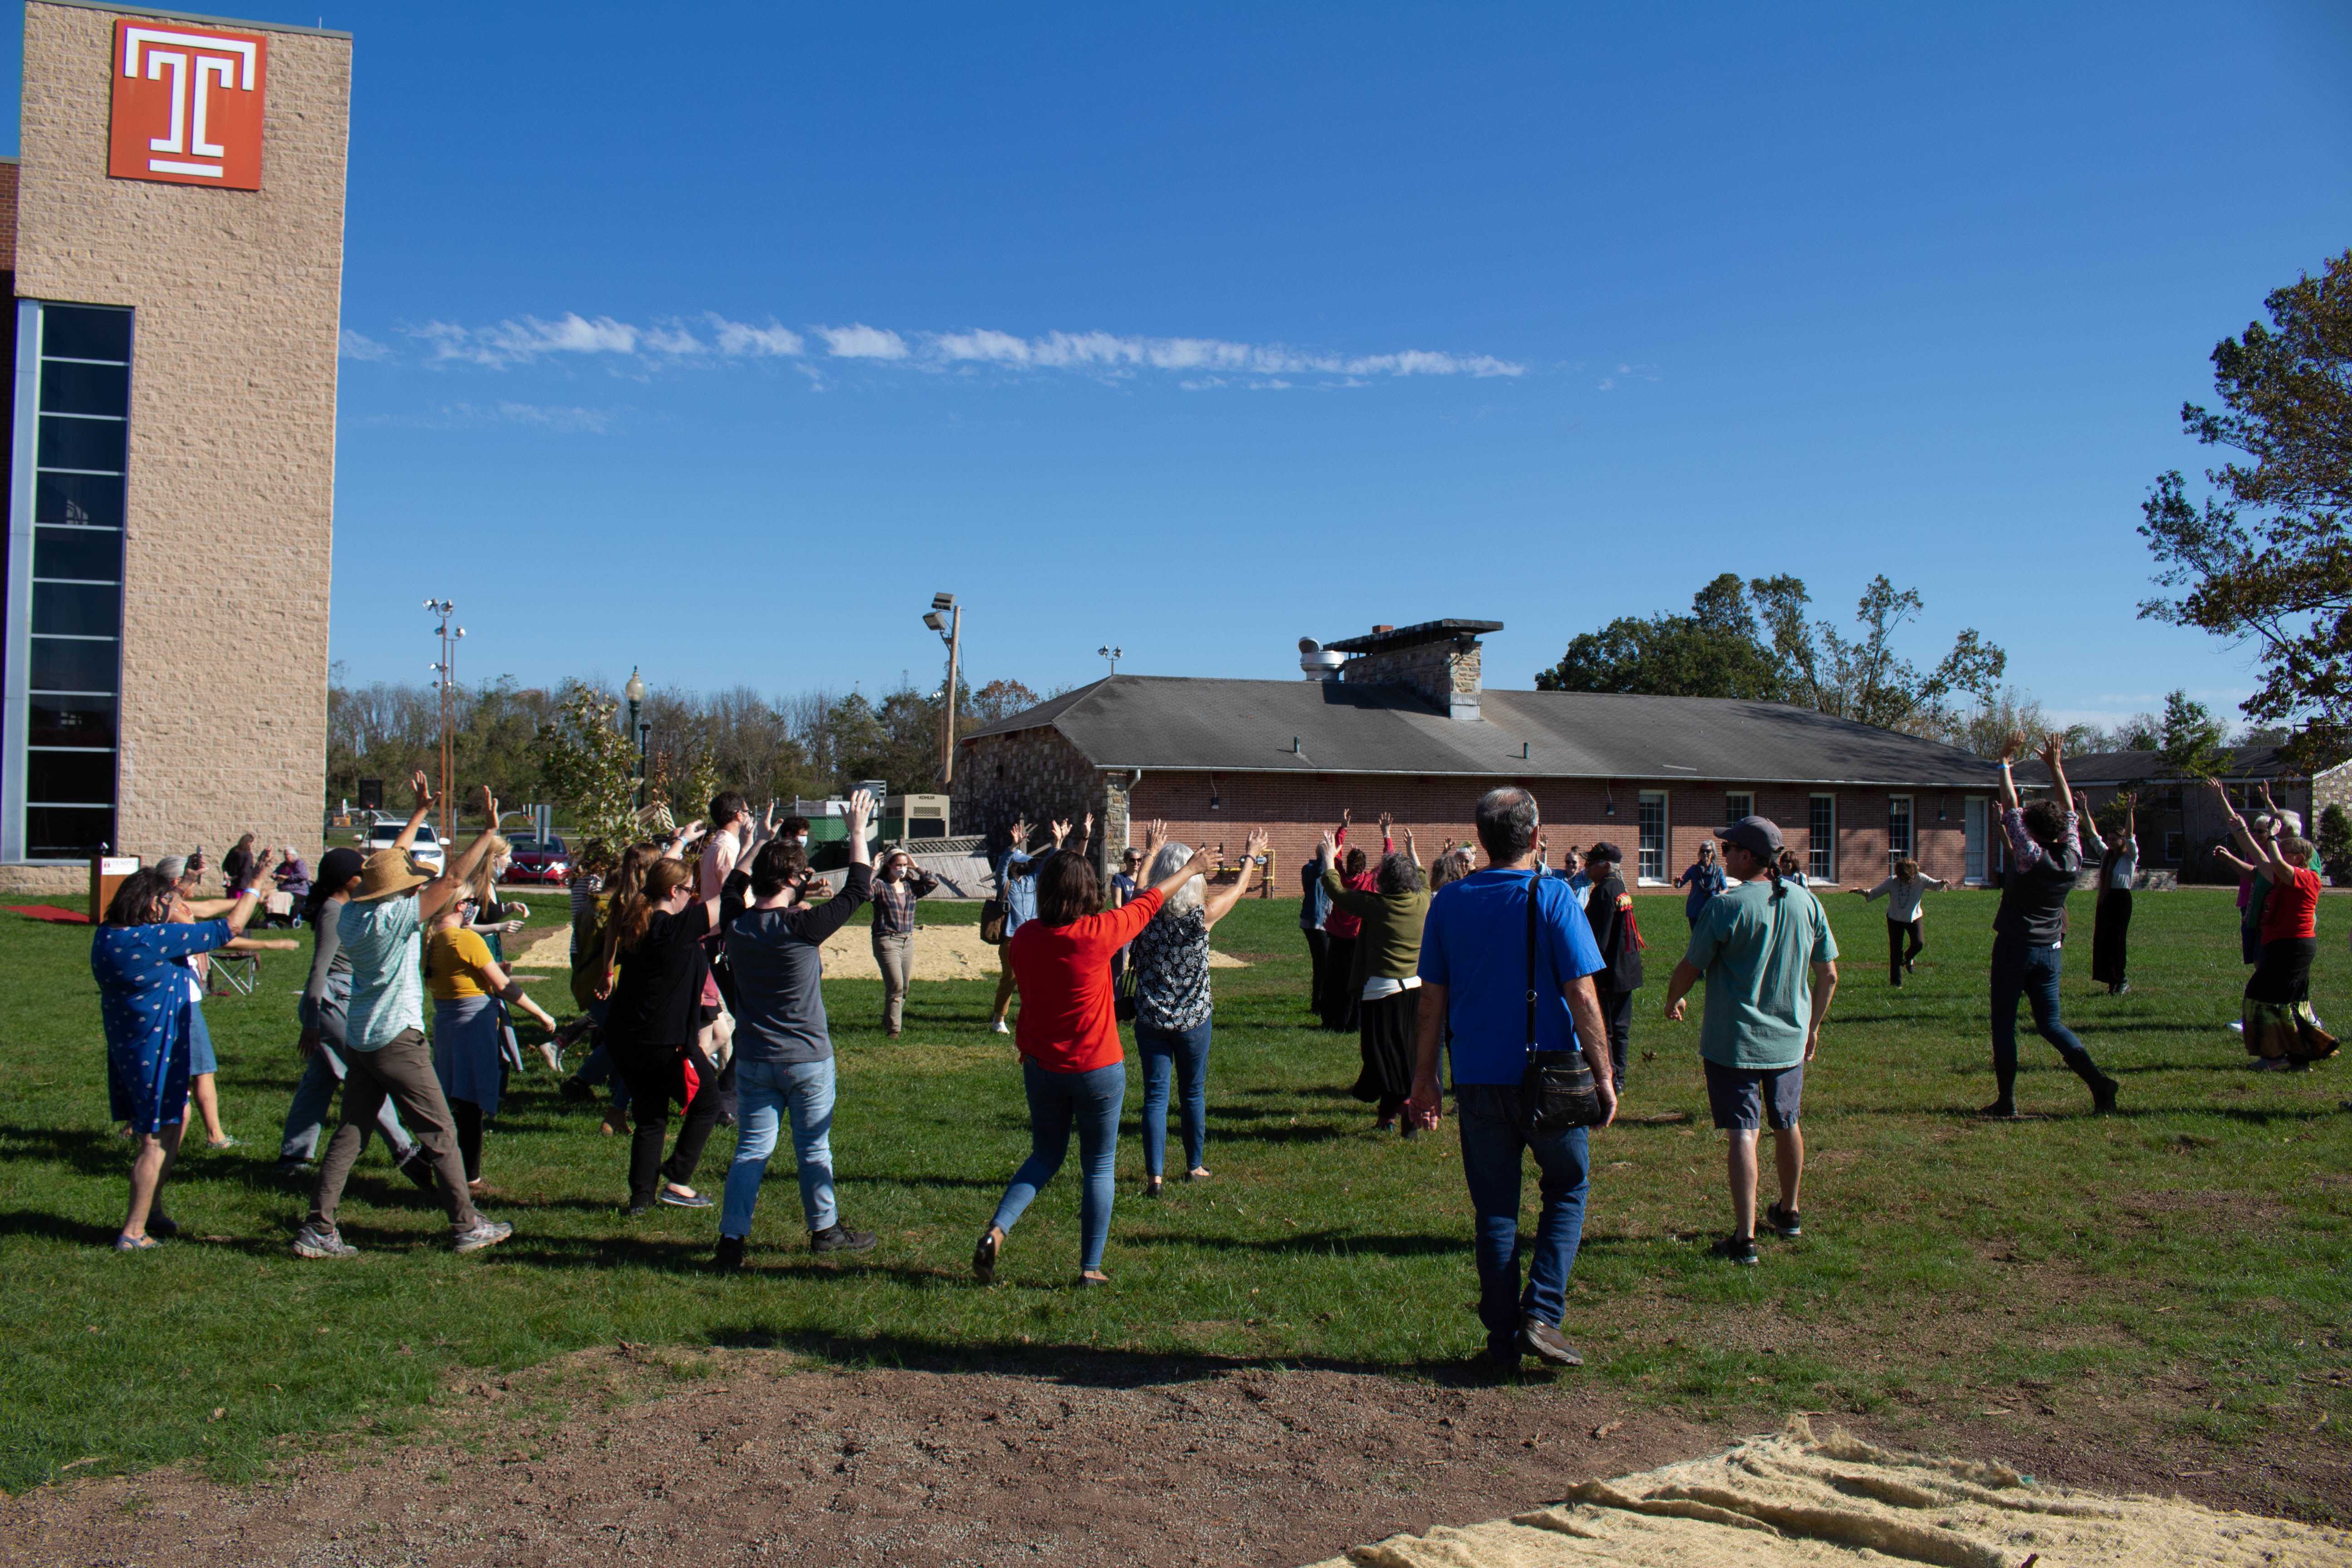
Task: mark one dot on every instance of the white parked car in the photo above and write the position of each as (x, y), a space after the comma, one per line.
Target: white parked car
(426, 848)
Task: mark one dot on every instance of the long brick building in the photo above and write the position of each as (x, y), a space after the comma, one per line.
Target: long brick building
(175, 230)
(1400, 721)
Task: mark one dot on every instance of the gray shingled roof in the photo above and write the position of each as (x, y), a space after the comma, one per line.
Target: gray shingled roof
(2130, 767)
(1250, 726)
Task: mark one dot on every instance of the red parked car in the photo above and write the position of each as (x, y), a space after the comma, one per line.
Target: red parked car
(540, 860)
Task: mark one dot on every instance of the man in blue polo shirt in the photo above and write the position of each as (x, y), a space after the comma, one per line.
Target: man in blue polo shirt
(1474, 979)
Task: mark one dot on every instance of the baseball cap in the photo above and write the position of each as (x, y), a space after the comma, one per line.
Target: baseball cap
(1759, 836)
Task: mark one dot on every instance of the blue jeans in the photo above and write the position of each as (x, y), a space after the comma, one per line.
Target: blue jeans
(1491, 1141)
(2032, 974)
(1092, 1099)
(1183, 1055)
(763, 1090)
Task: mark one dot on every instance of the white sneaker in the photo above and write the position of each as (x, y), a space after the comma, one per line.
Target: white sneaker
(485, 1233)
(1001, 1028)
(321, 1241)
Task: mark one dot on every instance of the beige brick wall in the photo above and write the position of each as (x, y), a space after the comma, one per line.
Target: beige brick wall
(232, 464)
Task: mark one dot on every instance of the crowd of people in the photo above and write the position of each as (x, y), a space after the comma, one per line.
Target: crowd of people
(698, 971)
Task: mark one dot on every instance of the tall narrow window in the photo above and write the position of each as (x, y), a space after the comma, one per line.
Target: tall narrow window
(1973, 819)
(1898, 829)
(1821, 839)
(1652, 810)
(65, 581)
(1737, 803)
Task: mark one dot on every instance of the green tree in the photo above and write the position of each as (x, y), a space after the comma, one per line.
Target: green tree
(590, 768)
(2192, 737)
(2264, 557)
(2336, 844)
(1714, 651)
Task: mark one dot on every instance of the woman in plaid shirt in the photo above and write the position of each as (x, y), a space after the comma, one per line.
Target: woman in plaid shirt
(900, 883)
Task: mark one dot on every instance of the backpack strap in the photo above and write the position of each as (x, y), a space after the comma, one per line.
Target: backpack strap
(1534, 877)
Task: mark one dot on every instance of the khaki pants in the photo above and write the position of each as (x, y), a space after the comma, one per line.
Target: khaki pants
(895, 956)
(402, 1072)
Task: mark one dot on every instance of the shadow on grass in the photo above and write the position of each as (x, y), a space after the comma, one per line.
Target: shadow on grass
(1323, 1243)
(1078, 1364)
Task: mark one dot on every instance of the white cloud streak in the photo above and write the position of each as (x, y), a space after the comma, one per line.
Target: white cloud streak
(1199, 363)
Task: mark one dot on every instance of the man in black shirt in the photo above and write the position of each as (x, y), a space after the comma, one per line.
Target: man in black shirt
(784, 1048)
(1610, 908)
(2029, 928)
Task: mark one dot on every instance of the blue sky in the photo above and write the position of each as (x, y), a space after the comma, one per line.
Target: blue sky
(716, 345)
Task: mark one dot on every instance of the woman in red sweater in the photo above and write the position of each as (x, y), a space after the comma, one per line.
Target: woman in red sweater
(2282, 1031)
(1072, 1062)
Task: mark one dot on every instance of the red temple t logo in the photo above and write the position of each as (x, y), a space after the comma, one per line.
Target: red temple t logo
(187, 105)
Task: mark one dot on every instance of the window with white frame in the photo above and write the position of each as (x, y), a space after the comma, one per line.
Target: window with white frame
(1899, 844)
(63, 659)
(1737, 803)
(1651, 816)
(1820, 831)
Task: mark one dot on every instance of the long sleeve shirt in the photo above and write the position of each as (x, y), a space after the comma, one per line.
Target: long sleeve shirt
(894, 903)
(1337, 921)
(2034, 895)
(1903, 898)
(1016, 877)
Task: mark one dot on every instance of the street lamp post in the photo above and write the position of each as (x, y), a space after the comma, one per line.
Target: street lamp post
(445, 676)
(1112, 654)
(946, 618)
(636, 692)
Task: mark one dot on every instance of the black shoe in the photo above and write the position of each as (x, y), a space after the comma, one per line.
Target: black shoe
(418, 1168)
(839, 1237)
(685, 1200)
(2103, 1096)
(2000, 1110)
(1738, 1250)
(290, 1167)
(1784, 1222)
(1542, 1340)
(574, 1090)
(730, 1260)
(635, 1210)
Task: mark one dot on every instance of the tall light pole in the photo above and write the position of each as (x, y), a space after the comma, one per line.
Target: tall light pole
(1112, 654)
(636, 692)
(946, 618)
(445, 676)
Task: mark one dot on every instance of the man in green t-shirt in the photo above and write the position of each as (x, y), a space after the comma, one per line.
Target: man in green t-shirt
(1770, 966)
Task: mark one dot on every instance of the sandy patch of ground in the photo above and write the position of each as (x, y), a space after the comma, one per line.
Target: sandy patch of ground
(942, 952)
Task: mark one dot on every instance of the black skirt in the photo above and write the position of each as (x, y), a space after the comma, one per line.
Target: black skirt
(1387, 1026)
(1339, 993)
(2283, 977)
(2110, 936)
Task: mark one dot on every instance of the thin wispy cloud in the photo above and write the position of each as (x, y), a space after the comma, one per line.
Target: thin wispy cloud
(477, 416)
(1195, 364)
(359, 345)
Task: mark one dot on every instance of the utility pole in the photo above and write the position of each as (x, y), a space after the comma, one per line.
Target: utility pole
(947, 619)
(446, 673)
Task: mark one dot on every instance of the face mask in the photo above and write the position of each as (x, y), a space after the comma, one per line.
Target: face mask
(802, 840)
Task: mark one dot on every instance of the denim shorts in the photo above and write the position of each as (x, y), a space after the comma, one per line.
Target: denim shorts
(1743, 1101)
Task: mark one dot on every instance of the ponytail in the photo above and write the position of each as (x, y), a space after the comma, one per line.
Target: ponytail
(662, 879)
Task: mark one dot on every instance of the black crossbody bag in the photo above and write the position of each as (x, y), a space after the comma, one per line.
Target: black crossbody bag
(1556, 1091)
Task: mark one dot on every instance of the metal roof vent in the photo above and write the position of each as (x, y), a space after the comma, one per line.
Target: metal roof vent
(1319, 662)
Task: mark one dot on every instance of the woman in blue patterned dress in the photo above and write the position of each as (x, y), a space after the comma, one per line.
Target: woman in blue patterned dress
(138, 958)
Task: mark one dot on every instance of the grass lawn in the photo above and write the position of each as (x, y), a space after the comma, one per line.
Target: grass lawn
(2174, 1272)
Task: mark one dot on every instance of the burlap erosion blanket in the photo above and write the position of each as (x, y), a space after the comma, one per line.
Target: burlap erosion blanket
(1801, 1499)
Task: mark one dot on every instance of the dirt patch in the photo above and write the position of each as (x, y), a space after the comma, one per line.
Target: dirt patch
(942, 952)
(1113, 1460)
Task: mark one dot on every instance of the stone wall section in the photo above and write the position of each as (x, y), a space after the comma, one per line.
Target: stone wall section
(232, 454)
(1445, 672)
(1033, 776)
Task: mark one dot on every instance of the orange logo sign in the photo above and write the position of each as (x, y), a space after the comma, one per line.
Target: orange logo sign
(187, 105)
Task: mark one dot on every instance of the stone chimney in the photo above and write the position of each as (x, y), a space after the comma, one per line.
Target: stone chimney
(1438, 660)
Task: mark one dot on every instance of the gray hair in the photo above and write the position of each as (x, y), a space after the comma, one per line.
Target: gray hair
(1399, 873)
(173, 866)
(1171, 860)
(1506, 822)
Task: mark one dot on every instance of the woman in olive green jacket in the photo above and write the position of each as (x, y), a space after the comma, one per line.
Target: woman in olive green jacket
(1385, 973)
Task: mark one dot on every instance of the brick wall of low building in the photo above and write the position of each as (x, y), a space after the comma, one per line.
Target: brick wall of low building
(231, 497)
(1038, 773)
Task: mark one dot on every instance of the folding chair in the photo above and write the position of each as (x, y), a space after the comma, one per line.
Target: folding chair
(229, 972)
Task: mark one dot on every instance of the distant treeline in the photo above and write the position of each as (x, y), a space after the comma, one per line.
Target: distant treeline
(814, 743)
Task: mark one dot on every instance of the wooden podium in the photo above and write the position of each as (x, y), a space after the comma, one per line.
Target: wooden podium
(106, 874)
